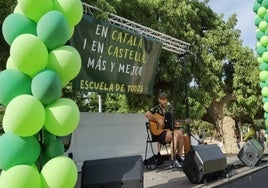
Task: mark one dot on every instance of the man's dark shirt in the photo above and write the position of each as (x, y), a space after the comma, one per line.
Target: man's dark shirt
(167, 115)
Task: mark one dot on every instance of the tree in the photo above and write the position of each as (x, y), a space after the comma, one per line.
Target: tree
(220, 75)
(7, 7)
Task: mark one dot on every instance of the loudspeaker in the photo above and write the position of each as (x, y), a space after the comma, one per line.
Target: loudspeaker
(202, 161)
(113, 173)
(251, 152)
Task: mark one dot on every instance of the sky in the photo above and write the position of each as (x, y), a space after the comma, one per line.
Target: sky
(245, 17)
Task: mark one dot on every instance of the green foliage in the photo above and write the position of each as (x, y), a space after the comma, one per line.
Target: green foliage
(103, 6)
(203, 128)
(7, 7)
(2, 111)
(216, 66)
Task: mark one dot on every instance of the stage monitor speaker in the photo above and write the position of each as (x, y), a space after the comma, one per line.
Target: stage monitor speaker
(203, 160)
(251, 152)
(113, 173)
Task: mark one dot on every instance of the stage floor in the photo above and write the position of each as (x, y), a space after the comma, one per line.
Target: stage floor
(174, 178)
(239, 176)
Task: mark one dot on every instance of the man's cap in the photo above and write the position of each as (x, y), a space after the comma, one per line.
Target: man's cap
(163, 95)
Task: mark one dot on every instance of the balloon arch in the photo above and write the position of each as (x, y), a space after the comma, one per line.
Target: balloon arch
(260, 8)
(39, 66)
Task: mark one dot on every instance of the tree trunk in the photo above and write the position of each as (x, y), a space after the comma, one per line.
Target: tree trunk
(215, 115)
(227, 130)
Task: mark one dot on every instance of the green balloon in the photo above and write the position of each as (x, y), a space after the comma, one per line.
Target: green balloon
(263, 25)
(17, 9)
(259, 34)
(262, 84)
(259, 59)
(10, 64)
(265, 3)
(266, 32)
(66, 61)
(29, 54)
(72, 10)
(48, 137)
(71, 32)
(35, 9)
(263, 66)
(46, 86)
(265, 56)
(260, 50)
(265, 99)
(53, 149)
(62, 117)
(13, 84)
(265, 107)
(265, 18)
(263, 75)
(257, 20)
(21, 176)
(53, 29)
(24, 116)
(256, 7)
(258, 44)
(15, 150)
(266, 123)
(261, 12)
(16, 24)
(59, 172)
(264, 91)
(264, 40)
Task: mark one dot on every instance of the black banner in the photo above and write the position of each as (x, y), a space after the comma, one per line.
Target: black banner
(114, 59)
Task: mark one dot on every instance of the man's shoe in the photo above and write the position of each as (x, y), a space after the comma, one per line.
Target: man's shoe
(180, 159)
(177, 164)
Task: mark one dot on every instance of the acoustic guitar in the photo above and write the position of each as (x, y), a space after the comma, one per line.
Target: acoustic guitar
(155, 128)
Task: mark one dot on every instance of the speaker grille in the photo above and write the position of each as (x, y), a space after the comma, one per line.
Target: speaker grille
(202, 160)
(113, 172)
(251, 152)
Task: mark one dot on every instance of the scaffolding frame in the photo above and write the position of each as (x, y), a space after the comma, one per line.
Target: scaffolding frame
(169, 43)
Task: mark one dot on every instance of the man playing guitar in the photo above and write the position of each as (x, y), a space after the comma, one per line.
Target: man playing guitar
(157, 123)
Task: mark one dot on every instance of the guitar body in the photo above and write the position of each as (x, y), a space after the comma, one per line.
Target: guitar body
(154, 127)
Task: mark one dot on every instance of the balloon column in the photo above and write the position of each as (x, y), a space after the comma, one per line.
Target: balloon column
(260, 8)
(40, 64)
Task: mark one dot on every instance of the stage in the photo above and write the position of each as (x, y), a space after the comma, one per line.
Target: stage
(238, 175)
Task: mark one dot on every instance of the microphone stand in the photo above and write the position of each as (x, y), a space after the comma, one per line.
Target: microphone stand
(170, 125)
(172, 140)
(188, 130)
(173, 145)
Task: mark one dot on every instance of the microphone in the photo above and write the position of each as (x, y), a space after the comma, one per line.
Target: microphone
(169, 106)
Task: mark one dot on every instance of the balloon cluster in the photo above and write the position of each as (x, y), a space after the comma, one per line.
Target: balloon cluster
(261, 21)
(40, 65)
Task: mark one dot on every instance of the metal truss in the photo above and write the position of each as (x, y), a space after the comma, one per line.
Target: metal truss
(169, 43)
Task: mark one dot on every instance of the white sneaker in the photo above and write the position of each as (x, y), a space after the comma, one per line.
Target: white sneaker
(177, 164)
